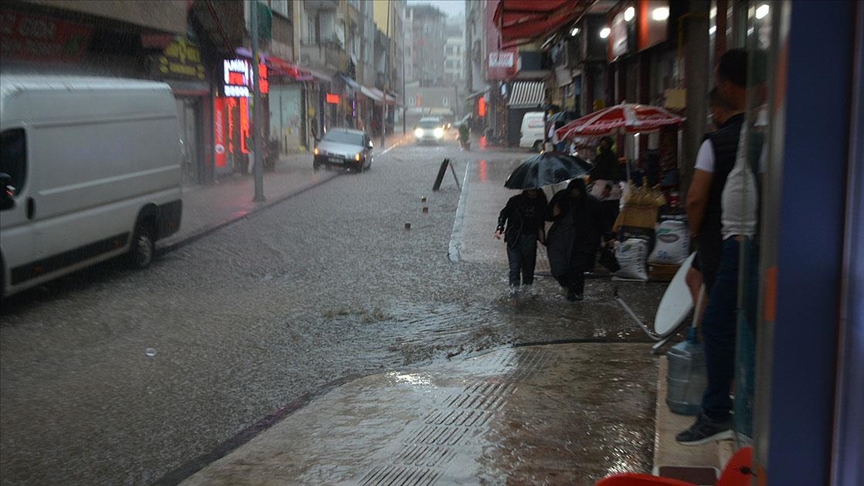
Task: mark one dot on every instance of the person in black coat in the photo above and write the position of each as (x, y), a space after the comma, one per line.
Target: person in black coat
(524, 218)
(572, 239)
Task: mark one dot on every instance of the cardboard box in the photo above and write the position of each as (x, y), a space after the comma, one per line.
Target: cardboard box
(658, 272)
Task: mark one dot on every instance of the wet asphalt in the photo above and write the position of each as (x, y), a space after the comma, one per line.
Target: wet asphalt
(317, 290)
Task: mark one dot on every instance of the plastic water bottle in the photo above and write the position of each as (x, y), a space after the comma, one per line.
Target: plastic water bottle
(686, 376)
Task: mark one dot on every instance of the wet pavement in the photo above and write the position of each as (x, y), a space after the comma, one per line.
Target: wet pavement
(525, 415)
(304, 310)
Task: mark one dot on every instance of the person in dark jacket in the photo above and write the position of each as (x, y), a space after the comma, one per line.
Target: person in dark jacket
(524, 218)
(573, 237)
(606, 165)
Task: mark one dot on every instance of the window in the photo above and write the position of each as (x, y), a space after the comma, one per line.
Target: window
(281, 7)
(13, 157)
(411, 101)
(445, 101)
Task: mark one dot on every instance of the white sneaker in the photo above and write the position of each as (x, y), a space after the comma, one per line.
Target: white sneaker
(514, 292)
(529, 290)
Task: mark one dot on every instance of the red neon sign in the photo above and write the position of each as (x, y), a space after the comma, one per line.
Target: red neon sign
(333, 99)
(481, 109)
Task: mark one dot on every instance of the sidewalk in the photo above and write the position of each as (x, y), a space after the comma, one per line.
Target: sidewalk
(503, 417)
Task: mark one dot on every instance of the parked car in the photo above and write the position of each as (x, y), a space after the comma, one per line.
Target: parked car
(90, 169)
(429, 130)
(343, 147)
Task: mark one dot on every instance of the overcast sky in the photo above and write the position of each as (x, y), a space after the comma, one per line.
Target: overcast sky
(451, 7)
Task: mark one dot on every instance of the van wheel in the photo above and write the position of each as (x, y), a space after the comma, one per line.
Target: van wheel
(538, 146)
(142, 247)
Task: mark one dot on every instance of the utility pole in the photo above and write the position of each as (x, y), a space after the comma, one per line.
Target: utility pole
(256, 106)
(386, 78)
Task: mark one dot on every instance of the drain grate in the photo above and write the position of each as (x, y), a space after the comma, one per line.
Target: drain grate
(398, 475)
(424, 456)
(431, 444)
(464, 418)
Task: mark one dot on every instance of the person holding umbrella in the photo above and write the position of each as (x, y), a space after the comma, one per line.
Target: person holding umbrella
(573, 237)
(525, 214)
(524, 219)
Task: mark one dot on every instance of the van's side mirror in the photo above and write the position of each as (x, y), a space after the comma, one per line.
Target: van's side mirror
(369, 145)
(6, 191)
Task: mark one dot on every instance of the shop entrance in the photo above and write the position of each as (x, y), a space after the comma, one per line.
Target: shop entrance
(188, 114)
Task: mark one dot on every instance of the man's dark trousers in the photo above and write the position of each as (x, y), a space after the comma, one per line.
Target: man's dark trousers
(523, 258)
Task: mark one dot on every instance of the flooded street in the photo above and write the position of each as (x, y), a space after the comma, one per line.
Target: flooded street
(118, 377)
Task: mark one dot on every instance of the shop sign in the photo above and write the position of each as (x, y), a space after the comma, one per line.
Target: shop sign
(181, 59)
(35, 38)
(219, 133)
(237, 77)
(332, 98)
(502, 65)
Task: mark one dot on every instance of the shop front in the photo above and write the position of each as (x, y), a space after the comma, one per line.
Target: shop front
(233, 116)
(181, 66)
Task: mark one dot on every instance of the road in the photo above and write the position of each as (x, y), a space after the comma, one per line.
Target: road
(324, 286)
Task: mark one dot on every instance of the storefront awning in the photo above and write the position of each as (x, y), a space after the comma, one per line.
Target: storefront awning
(372, 95)
(476, 94)
(277, 66)
(527, 94)
(523, 21)
(350, 82)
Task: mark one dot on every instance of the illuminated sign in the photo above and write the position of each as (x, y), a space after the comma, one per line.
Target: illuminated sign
(237, 78)
(333, 99)
(181, 59)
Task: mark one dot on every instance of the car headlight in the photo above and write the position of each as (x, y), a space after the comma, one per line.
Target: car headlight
(357, 157)
(315, 151)
(418, 132)
(439, 132)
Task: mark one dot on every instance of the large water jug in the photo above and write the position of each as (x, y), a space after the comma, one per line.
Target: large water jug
(686, 376)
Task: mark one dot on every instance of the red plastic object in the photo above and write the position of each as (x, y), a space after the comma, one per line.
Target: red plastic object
(635, 479)
(739, 469)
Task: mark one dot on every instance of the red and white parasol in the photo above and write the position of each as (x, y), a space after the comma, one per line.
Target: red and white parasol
(623, 118)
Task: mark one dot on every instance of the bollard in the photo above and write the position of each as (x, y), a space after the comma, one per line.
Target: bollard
(425, 209)
(407, 226)
(423, 199)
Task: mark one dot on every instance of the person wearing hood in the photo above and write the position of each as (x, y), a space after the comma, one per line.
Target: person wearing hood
(524, 219)
(572, 239)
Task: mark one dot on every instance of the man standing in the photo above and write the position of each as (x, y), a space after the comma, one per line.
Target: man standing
(739, 210)
(715, 159)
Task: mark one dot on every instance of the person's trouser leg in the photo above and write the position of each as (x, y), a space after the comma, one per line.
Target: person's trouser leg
(514, 256)
(718, 332)
(529, 258)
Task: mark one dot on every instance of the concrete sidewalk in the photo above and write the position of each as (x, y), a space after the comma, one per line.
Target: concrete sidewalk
(503, 417)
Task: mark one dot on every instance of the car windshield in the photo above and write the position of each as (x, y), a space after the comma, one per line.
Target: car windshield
(429, 124)
(344, 137)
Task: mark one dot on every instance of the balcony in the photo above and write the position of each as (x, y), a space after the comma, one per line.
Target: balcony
(327, 55)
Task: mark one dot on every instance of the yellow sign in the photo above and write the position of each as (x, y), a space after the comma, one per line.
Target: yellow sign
(181, 59)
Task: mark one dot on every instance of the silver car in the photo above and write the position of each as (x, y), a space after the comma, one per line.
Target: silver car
(343, 147)
(429, 130)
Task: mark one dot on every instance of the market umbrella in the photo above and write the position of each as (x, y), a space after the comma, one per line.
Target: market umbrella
(546, 169)
(623, 118)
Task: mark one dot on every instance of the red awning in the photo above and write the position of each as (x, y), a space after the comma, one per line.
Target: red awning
(521, 21)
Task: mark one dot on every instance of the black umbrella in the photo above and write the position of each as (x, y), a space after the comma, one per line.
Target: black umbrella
(546, 169)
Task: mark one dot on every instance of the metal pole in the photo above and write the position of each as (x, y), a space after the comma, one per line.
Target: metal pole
(256, 106)
(404, 99)
(386, 78)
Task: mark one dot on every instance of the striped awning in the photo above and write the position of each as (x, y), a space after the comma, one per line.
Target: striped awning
(527, 94)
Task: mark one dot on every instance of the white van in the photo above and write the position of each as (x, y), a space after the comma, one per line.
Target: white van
(90, 170)
(531, 135)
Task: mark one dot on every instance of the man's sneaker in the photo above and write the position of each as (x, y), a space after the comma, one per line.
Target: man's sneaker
(579, 296)
(529, 290)
(571, 296)
(706, 430)
(514, 292)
